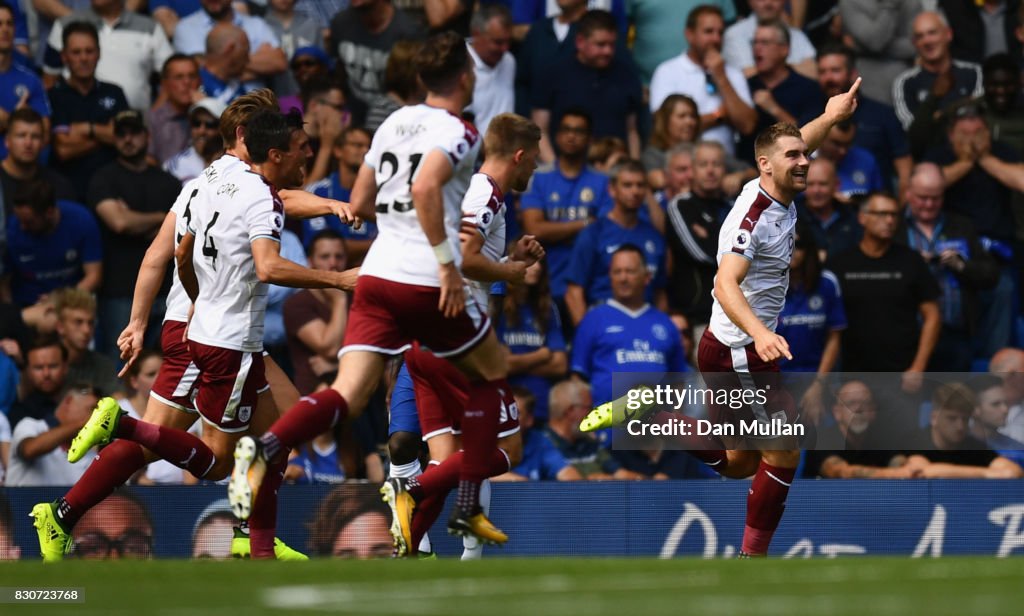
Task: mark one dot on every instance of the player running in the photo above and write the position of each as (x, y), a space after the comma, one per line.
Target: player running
(170, 443)
(511, 146)
(410, 288)
(170, 403)
(740, 347)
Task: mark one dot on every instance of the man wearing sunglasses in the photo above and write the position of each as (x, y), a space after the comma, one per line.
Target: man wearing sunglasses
(205, 142)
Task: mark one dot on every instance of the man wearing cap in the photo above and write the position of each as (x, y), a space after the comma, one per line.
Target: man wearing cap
(206, 144)
(307, 63)
(130, 197)
(169, 121)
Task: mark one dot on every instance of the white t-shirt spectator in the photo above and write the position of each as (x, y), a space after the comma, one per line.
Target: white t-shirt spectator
(681, 75)
(494, 92)
(738, 44)
(51, 469)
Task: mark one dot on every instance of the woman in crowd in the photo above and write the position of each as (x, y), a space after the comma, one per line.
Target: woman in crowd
(528, 324)
(676, 122)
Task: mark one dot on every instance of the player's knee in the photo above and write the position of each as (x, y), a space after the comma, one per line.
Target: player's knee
(221, 468)
(789, 458)
(404, 447)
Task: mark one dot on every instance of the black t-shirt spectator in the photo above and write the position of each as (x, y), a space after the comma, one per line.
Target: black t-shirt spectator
(692, 238)
(12, 326)
(882, 297)
(841, 233)
(608, 95)
(796, 94)
(978, 195)
(970, 452)
(99, 106)
(152, 190)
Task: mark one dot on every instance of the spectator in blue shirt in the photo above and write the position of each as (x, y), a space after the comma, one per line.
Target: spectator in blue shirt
(596, 79)
(169, 12)
(50, 244)
(588, 280)
(856, 168)
(349, 149)
(19, 86)
(813, 314)
(221, 70)
(563, 199)
(626, 334)
(529, 326)
(318, 461)
(265, 59)
(991, 410)
(811, 321)
(569, 403)
(541, 458)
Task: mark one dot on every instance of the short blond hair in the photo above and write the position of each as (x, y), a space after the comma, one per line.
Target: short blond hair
(71, 298)
(241, 110)
(507, 133)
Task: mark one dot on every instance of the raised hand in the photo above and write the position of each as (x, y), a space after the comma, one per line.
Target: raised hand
(841, 106)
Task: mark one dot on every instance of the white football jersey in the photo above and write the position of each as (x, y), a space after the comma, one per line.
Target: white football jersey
(763, 230)
(178, 301)
(484, 209)
(401, 252)
(234, 207)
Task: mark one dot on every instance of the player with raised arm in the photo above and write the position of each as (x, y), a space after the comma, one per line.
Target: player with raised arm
(511, 147)
(410, 288)
(740, 347)
(170, 403)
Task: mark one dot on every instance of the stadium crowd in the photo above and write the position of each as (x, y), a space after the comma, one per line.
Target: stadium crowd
(907, 259)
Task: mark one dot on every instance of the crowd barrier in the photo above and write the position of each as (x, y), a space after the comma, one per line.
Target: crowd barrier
(824, 518)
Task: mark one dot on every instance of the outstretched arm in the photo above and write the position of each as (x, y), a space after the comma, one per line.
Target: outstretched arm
(147, 285)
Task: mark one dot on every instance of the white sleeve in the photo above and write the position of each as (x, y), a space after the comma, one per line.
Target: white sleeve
(479, 207)
(264, 218)
(459, 141)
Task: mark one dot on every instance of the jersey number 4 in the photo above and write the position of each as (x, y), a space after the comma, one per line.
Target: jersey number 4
(390, 159)
(209, 247)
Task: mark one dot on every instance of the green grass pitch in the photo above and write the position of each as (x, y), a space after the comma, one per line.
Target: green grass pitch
(533, 587)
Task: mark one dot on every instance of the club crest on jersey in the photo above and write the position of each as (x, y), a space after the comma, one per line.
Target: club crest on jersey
(587, 195)
(244, 413)
(742, 239)
(815, 302)
(659, 331)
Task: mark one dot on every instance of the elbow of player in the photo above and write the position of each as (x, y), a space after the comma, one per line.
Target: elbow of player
(265, 272)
